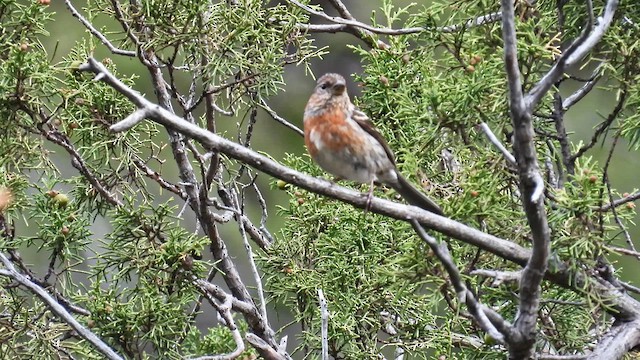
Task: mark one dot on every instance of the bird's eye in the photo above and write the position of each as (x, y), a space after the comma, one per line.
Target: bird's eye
(324, 86)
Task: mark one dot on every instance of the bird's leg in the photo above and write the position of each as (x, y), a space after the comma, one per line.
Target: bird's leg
(369, 197)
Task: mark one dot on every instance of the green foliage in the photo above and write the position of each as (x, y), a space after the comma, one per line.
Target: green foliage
(427, 92)
(244, 42)
(341, 252)
(137, 279)
(26, 77)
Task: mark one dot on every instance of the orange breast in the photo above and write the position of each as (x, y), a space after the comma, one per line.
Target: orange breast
(332, 132)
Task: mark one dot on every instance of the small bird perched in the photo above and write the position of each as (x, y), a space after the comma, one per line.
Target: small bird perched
(344, 142)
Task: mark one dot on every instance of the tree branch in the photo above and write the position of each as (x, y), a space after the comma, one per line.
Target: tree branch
(97, 33)
(531, 187)
(324, 326)
(494, 140)
(574, 53)
(57, 309)
(495, 326)
(618, 303)
(503, 248)
(617, 342)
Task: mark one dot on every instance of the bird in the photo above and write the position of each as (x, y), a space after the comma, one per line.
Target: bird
(343, 141)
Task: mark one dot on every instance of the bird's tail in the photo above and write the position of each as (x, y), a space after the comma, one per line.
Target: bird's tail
(414, 196)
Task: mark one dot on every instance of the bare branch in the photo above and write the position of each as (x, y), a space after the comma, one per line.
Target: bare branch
(10, 271)
(97, 33)
(479, 21)
(254, 269)
(559, 357)
(477, 309)
(584, 90)
(355, 23)
(499, 277)
(516, 99)
(224, 310)
(154, 175)
(603, 126)
(263, 104)
(607, 183)
(629, 287)
(574, 53)
(624, 251)
(532, 189)
(130, 121)
(494, 140)
(347, 22)
(214, 290)
(265, 351)
(264, 215)
(618, 341)
(629, 198)
(324, 328)
(77, 162)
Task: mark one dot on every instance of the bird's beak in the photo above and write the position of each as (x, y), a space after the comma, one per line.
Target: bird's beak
(339, 88)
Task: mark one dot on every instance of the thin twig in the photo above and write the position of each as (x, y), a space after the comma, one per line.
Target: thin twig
(263, 213)
(603, 126)
(324, 328)
(630, 252)
(97, 33)
(499, 277)
(253, 266)
(605, 180)
(494, 140)
(559, 357)
(629, 198)
(574, 98)
(479, 21)
(263, 104)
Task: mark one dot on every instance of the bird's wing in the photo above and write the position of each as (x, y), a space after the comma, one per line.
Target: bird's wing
(365, 123)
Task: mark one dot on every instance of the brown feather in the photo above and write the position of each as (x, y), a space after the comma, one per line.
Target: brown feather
(363, 120)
